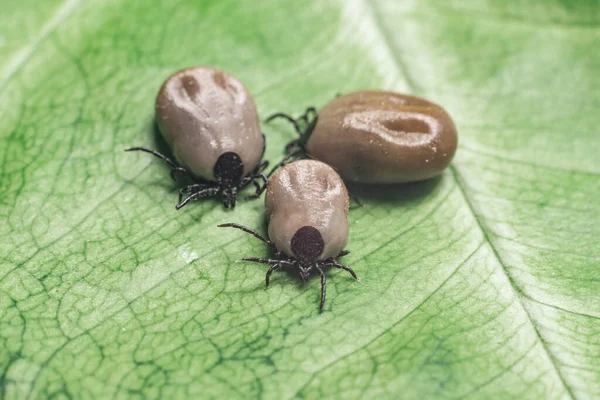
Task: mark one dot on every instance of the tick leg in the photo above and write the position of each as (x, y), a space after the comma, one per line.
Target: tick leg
(178, 169)
(191, 189)
(355, 199)
(344, 267)
(269, 261)
(195, 187)
(263, 165)
(288, 118)
(313, 111)
(259, 189)
(343, 253)
(264, 179)
(245, 181)
(294, 154)
(256, 173)
(264, 148)
(323, 286)
(154, 153)
(208, 192)
(309, 117)
(295, 146)
(248, 230)
(174, 167)
(270, 271)
(258, 192)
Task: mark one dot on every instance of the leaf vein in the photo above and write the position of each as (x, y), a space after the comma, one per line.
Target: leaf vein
(517, 291)
(387, 330)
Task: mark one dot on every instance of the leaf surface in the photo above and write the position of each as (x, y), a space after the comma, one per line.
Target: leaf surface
(480, 284)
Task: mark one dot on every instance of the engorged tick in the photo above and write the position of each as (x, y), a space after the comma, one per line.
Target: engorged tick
(209, 120)
(307, 207)
(376, 137)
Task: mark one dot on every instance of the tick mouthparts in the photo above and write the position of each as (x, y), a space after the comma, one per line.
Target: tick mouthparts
(304, 274)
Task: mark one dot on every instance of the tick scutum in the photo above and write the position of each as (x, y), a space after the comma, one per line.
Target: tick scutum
(229, 169)
(307, 244)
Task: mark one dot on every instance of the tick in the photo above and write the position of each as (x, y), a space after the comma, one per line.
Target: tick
(376, 137)
(209, 120)
(307, 208)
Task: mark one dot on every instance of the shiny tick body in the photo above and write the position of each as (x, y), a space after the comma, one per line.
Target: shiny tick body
(307, 207)
(210, 122)
(376, 137)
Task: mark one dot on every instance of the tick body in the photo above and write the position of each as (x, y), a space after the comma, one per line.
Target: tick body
(209, 120)
(307, 208)
(377, 137)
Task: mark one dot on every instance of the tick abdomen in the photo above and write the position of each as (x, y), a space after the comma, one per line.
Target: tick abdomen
(202, 113)
(210, 122)
(308, 193)
(383, 137)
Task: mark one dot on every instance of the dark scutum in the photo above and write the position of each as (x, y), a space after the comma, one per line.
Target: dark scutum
(307, 244)
(229, 169)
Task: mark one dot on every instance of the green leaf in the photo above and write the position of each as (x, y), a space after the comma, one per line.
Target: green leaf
(481, 284)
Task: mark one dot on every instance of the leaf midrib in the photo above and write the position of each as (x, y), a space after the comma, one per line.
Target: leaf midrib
(20, 58)
(403, 71)
(515, 288)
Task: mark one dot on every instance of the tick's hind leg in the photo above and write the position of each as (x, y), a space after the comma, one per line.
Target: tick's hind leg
(268, 261)
(259, 188)
(256, 175)
(206, 192)
(288, 118)
(174, 167)
(303, 125)
(343, 253)
(264, 147)
(175, 170)
(293, 156)
(261, 167)
(309, 118)
(191, 189)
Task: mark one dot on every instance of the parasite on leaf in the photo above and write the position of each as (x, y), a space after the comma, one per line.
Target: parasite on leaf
(209, 120)
(307, 208)
(376, 137)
